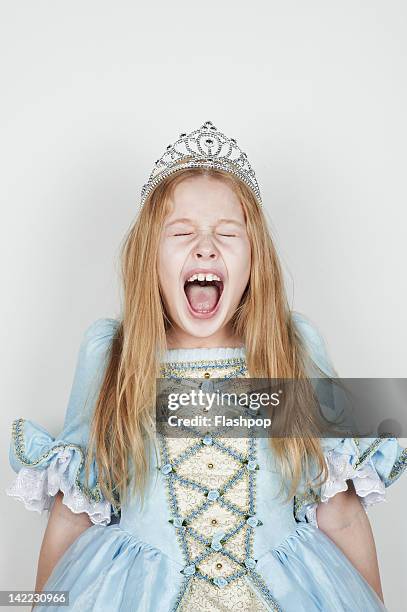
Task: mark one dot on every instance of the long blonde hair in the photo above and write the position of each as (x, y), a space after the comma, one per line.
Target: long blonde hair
(122, 425)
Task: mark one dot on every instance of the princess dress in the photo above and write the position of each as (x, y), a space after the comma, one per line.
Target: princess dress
(212, 535)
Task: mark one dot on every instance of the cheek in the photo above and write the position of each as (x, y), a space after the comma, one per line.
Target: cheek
(171, 254)
(168, 291)
(240, 263)
(240, 274)
(169, 266)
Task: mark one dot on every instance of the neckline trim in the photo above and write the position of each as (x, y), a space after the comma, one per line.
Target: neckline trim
(204, 354)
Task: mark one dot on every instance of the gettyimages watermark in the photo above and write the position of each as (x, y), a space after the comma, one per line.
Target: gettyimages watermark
(270, 407)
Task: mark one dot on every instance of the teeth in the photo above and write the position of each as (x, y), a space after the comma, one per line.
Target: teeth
(202, 277)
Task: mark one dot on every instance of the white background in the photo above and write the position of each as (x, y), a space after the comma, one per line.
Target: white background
(91, 94)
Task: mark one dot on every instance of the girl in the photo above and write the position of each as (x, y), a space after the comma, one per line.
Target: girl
(147, 522)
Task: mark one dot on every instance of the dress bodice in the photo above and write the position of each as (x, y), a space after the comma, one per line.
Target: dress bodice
(211, 498)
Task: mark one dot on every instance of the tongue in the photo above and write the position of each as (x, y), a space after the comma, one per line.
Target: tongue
(202, 298)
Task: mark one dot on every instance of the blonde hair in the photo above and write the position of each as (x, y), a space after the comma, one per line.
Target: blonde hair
(122, 426)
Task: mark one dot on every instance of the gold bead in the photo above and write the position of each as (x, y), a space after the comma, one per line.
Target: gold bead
(214, 522)
(207, 375)
(219, 566)
(210, 465)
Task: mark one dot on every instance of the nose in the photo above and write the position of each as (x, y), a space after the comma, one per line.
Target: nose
(205, 247)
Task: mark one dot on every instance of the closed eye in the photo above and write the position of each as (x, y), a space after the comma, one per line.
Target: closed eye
(219, 234)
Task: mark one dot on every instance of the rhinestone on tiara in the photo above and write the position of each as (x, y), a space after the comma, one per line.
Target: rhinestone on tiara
(203, 148)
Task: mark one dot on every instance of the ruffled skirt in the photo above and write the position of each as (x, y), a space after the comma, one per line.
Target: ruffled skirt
(107, 569)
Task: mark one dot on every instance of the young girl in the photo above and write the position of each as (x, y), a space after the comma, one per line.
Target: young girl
(146, 522)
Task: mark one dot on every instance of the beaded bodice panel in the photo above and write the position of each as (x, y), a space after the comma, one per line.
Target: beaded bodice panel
(211, 487)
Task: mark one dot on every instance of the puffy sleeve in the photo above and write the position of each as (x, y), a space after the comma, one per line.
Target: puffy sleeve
(314, 344)
(45, 465)
(372, 464)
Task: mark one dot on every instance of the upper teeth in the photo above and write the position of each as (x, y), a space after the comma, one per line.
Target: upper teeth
(202, 277)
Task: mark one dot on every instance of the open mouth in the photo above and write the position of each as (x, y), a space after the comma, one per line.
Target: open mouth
(203, 292)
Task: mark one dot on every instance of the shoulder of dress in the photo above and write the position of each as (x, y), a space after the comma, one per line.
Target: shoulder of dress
(90, 367)
(308, 331)
(305, 325)
(101, 328)
(99, 334)
(314, 341)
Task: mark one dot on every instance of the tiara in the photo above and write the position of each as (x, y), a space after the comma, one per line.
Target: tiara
(203, 148)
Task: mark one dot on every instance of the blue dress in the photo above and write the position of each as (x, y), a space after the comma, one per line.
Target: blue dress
(212, 535)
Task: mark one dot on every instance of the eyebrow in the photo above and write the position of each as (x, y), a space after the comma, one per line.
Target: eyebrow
(187, 220)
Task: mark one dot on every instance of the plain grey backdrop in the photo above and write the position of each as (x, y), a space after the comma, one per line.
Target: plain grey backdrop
(92, 92)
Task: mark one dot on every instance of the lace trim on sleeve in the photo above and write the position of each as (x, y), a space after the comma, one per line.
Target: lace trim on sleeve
(367, 482)
(36, 487)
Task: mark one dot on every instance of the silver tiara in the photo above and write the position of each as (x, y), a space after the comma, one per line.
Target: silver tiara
(203, 148)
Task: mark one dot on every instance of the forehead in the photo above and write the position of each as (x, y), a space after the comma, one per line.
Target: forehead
(204, 197)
